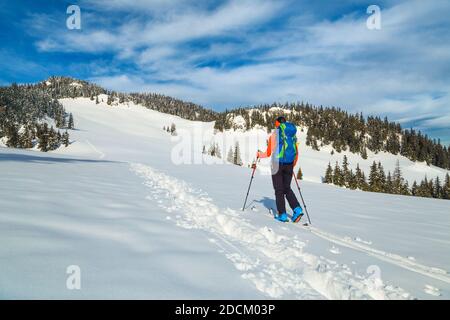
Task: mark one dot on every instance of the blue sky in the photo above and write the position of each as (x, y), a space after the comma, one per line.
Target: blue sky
(229, 53)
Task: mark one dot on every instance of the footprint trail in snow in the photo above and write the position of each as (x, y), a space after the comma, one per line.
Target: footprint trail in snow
(277, 266)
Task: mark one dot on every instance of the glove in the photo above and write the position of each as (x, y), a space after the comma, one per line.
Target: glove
(258, 154)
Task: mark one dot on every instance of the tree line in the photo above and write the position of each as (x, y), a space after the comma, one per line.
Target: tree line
(344, 131)
(379, 181)
(172, 129)
(233, 155)
(24, 113)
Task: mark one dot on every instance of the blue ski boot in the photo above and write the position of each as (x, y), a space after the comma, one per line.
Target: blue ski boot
(282, 217)
(298, 213)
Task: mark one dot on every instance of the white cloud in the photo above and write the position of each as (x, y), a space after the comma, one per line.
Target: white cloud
(438, 122)
(233, 16)
(398, 70)
(137, 5)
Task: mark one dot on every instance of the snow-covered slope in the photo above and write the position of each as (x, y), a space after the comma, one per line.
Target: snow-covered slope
(139, 226)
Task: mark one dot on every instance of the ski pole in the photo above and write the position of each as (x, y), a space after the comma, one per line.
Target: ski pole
(301, 196)
(251, 180)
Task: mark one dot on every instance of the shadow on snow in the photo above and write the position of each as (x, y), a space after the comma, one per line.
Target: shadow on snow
(46, 159)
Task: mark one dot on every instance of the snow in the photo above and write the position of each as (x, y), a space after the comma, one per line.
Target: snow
(432, 290)
(138, 226)
(275, 264)
(76, 84)
(239, 123)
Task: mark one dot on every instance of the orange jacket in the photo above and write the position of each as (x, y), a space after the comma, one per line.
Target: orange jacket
(271, 144)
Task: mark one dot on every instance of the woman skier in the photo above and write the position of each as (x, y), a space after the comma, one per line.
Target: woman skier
(282, 147)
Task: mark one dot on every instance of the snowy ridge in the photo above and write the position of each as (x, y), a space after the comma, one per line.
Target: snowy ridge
(277, 266)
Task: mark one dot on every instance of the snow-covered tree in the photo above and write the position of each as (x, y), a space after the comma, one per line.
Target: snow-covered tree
(173, 129)
(237, 155)
(328, 174)
(71, 123)
(230, 155)
(218, 153)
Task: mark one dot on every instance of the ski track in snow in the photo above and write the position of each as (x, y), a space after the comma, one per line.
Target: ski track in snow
(432, 290)
(403, 262)
(335, 250)
(100, 154)
(276, 265)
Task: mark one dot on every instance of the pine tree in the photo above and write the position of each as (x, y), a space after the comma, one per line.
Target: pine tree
(63, 123)
(230, 156)
(364, 153)
(71, 124)
(446, 188)
(430, 188)
(353, 182)
(237, 155)
(96, 100)
(173, 129)
(389, 186)
(53, 140)
(345, 172)
(328, 174)
(405, 189)
(13, 136)
(65, 139)
(218, 153)
(59, 120)
(26, 139)
(397, 179)
(437, 188)
(299, 174)
(360, 178)
(425, 188)
(381, 178)
(212, 150)
(374, 178)
(44, 139)
(337, 176)
(365, 185)
(414, 189)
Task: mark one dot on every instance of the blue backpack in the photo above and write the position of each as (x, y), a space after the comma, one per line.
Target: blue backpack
(287, 143)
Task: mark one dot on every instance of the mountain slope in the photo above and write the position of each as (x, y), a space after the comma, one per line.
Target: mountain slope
(115, 204)
(325, 126)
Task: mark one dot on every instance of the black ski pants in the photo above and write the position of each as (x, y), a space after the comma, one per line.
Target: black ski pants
(282, 184)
